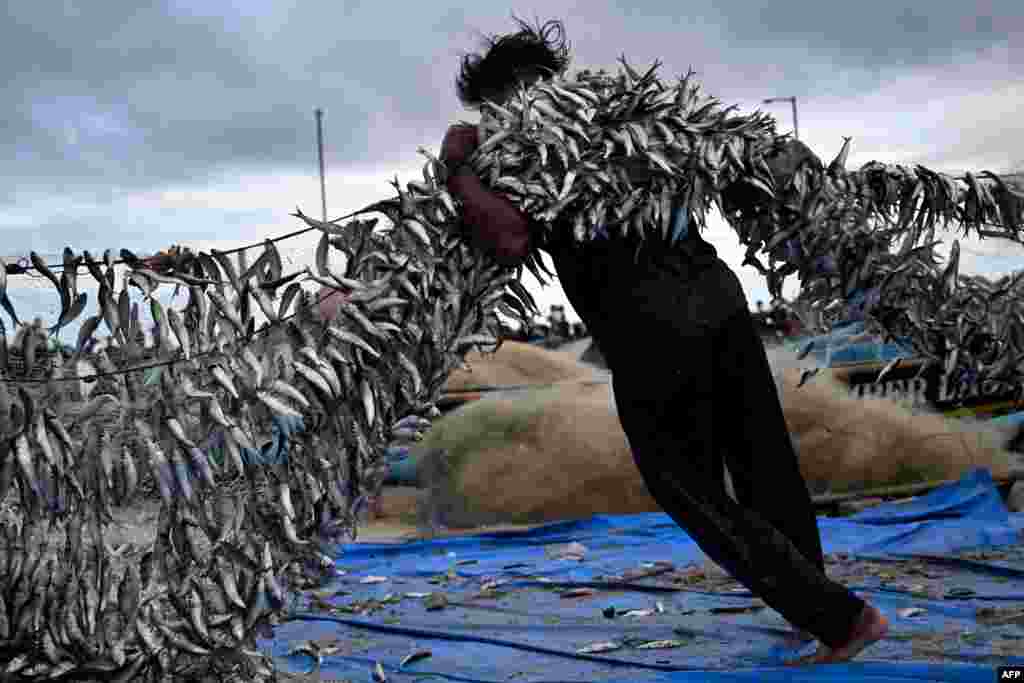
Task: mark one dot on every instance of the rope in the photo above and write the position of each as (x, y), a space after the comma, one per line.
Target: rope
(23, 266)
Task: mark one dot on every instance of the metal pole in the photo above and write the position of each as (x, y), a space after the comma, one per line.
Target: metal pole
(796, 126)
(320, 150)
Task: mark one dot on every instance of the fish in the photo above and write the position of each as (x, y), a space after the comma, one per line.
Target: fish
(346, 337)
(256, 603)
(288, 391)
(181, 334)
(660, 644)
(43, 441)
(221, 259)
(161, 470)
(595, 648)
(216, 413)
(176, 429)
(949, 275)
(179, 641)
(23, 458)
(75, 308)
(265, 303)
(128, 595)
(254, 366)
(233, 445)
(369, 402)
(200, 463)
(224, 380)
(806, 375)
(226, 576)
(838, 165)
(290, 533)
(196, 617)
(312, 376)
(40, 265)
(228, 312)
(4, 299)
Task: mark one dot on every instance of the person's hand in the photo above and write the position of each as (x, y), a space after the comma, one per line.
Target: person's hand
(459, 144)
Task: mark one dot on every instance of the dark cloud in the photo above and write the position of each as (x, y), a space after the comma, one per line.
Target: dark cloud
(142, 97)
(107, 100)
(875, 33)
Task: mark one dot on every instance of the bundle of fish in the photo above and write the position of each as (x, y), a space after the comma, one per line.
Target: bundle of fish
(610, 154)
(221, 568)
(872, 255)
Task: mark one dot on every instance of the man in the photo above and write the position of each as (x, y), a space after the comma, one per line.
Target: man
(691, 379)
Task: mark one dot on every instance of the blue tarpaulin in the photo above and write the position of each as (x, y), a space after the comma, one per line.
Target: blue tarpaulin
(509, 617)
(836, 348)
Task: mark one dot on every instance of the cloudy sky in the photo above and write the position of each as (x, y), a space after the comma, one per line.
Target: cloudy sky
(141, 124)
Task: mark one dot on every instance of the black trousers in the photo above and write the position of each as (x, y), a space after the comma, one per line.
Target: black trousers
(694, 390)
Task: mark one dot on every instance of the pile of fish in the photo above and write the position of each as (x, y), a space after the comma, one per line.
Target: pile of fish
(601, 153)
(222, 568)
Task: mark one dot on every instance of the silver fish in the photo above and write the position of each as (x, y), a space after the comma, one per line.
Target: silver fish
(313, 377)
(224, 380)
(225, 263)
(226, 576)
(200, 462)
(807, 375)
(26, 466)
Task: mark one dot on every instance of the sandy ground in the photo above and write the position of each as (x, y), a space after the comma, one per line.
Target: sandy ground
(398, 522)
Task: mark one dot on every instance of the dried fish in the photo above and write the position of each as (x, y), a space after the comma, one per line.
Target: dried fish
(595, 648)
(660, 645)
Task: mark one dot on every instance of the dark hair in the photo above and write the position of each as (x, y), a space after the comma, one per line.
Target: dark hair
(511, 57)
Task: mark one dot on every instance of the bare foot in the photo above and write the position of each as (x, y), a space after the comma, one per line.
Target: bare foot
(871, 627)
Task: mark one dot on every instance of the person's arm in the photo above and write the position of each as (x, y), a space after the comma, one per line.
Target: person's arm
(496, 225)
